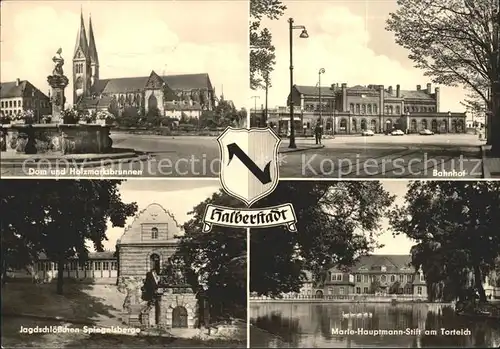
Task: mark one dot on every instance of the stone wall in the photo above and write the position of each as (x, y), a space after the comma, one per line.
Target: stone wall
(135, 260)
(170, 301)
(55, 138)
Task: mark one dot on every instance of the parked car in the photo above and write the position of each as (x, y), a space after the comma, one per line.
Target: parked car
(397, 133)
(367, 133)
(426, 132)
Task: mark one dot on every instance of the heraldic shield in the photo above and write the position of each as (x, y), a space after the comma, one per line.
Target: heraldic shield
(249, 162)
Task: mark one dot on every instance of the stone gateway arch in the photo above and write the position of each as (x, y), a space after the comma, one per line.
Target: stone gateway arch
(149, 244)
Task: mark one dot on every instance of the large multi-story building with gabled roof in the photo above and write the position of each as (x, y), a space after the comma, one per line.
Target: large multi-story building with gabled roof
(175, 96)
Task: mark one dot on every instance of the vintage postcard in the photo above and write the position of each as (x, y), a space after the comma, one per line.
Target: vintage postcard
(400, 264)
(104, 263)
(100, 89)
(378, 89)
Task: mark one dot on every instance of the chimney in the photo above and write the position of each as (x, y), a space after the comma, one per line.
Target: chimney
(398, 91)
(419, 87)
(429, 89)
(437, 98)
(18, 82)
(381, 102)
(333, 87)
(389, 89)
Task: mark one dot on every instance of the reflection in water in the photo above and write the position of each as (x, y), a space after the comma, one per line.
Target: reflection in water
(323, 326)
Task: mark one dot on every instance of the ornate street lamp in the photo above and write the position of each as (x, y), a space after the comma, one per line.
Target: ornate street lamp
(303, 35)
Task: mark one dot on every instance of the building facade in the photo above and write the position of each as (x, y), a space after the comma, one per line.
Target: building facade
(379, 275)
(350, 110)
(174, 96)
(20, 95)
(147, 243)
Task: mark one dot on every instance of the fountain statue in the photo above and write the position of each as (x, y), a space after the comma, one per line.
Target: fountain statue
(58, 82)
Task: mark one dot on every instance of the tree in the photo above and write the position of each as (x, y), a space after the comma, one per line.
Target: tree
(58, 218)
(453, 42)
(225, 113)
(153, 116)
(130, 117)
(455, 226)
(375, 286)
(394, 288)
(336, 223)
(216, 260)
(262, 51)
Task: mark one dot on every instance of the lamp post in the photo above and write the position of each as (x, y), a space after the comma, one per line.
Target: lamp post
(494, 116)
(254, 108)
(407, 122)
(267, 90)
(303, 35)
(321, 71)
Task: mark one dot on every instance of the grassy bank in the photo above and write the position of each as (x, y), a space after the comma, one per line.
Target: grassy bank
(29, 305)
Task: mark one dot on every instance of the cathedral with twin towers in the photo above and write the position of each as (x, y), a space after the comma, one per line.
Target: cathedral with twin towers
(174, 96)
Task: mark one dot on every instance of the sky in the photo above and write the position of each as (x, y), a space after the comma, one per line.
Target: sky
(399, 244)
(348, 39)
(176, 196)
(133, 38)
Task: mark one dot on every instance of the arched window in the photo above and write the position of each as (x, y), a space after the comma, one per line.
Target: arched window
(369, 109)
(351, 107)
(357, 109)
(386, 109)
(363, 108)
(354, 125)
(398, 110)
(343, 125)
(152, 102)
(154, 233)
(373, 125)
(391, 109)
(434, 125)
(154, 262)
(414, 125)
(363, 125)
(424, 124)
(375, 109)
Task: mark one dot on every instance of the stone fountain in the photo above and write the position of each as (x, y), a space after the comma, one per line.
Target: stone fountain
(64, 136)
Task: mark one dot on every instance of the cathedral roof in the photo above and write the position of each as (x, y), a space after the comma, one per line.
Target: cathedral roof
(138, 84)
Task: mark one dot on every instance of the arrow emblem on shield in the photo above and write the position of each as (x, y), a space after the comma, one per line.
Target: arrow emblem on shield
(249, 168)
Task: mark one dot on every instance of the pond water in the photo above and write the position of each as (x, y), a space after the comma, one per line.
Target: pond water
(323, 326)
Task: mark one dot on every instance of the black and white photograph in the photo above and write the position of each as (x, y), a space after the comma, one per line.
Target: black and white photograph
(101, 263)
(379, 89)
(132, 89)
(396, 264)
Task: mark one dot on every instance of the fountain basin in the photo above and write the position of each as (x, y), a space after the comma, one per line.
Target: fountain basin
(55, 139)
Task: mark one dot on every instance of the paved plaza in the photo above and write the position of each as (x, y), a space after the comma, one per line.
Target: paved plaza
(380, 156)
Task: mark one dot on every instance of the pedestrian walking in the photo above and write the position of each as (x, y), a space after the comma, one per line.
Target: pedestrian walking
(318, 132)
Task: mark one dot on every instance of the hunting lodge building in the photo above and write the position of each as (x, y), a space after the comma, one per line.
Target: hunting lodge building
(146, 244)
(174, 96)
(351, 110)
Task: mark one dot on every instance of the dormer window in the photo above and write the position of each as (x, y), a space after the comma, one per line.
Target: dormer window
(154, 233)
(383, 268)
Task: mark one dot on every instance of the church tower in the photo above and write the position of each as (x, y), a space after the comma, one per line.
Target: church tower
(81, 65)
(94, 59)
